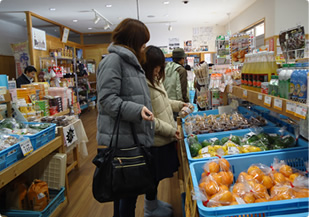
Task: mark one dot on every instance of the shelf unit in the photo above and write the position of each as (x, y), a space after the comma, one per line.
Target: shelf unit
(6, 98)
(270, 102)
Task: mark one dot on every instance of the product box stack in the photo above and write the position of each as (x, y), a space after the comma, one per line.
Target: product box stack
(56, 93)
(40, 89)
(25, 93)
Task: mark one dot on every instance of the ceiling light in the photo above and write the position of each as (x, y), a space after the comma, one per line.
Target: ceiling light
(170, 28)
(75, 21)
(107, 26)
(151, 16)
(166, 2)
(166, 15)
(89, 28)
(96, 19)
(52, 9)
(108, 6)
(119, 18)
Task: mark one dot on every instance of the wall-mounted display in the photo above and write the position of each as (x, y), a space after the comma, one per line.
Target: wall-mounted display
(38, 39)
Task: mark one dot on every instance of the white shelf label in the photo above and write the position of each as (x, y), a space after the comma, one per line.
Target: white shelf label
(245, 93)
(278, 104)
(290, 108)
(1, 97)
(260, 96)
(26, 146)
(267, 101)
(301, 111)
(231, 88)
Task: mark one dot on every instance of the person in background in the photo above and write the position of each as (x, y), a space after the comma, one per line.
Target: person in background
(176, 82)
(121, 79)
(164, 153)
(27, 77)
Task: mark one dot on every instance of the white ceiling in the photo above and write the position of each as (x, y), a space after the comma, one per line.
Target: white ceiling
(195, 12)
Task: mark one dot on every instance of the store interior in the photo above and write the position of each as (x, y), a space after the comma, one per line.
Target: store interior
(244, 147)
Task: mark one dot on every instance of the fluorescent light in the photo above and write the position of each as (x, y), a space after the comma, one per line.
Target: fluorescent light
(107, 26)
(52, 9)
(89, 28)
(170, 28)
(108, 6)
(96, 19)
(166, 2)
(151, 16)
(75, 21)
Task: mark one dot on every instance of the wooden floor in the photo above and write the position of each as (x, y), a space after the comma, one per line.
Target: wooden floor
(81, 201)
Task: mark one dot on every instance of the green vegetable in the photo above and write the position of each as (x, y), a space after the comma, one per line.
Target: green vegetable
(224, 140)
(192, 139)
(235, 139)
(253, 139)
(194, 148)
(217, 142)
(205, 143)
(288, 141)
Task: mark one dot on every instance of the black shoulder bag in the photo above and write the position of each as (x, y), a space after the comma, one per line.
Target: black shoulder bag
(122, 172)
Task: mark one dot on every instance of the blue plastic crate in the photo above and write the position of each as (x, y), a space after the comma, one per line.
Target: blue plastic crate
(294, 158)
(57, 198)
(10, 155)
(301, 143)
(43, 137)
(245, 112)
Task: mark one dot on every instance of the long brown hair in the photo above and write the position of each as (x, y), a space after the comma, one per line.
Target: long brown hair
(154, 58)
(132, 34)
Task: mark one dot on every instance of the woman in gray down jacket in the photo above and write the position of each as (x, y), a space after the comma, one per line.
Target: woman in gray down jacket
(163, 151)
(121, 79)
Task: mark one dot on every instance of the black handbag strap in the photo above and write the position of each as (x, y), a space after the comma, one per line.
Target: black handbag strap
(116, 128)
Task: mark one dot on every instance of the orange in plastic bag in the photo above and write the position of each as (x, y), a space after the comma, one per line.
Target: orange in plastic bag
(38, 195)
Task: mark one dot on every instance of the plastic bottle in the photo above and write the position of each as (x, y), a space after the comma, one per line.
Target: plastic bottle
(272, 62)
(282, 82)
(302, 81)
(289, 84)
(294, 85)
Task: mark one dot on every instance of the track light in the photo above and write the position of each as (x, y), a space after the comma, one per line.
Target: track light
(99, 16)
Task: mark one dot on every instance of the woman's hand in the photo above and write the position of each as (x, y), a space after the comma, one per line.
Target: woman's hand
(146, 114)
(185, 105)
(177, 135)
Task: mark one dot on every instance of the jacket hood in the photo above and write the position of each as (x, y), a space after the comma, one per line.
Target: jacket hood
(170, 68)
(157, 87)
(126, 54)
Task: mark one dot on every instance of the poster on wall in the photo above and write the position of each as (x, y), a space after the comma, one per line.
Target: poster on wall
(21, 56)
(38, 39)
(239, 46)
(173, 43)
(188, 46)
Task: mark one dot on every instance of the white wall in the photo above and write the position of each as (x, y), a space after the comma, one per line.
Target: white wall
(10, 34)
(279, 15)
(159, 34)
(258, 10)
(290, 13)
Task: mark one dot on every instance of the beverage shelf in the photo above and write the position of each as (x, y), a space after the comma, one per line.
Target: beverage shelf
(261, 100)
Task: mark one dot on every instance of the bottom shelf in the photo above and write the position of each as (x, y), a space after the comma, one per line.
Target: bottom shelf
(82, 107)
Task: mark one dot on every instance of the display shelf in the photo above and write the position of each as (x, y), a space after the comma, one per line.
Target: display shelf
(82, 107)
(261, 100)
(13, 171)
(65, 112)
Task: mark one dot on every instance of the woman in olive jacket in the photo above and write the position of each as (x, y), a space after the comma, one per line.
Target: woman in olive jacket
(163, 151)
(121, 81)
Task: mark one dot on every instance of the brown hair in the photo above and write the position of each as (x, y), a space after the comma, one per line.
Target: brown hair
(154, 58)
(132, 34)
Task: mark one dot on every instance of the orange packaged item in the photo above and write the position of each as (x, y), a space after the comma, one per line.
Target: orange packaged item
(38, 195)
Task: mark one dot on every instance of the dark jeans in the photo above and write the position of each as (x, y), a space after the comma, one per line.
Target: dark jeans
(125, 207)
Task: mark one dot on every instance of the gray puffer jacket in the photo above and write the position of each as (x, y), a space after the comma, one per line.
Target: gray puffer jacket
(120, 78)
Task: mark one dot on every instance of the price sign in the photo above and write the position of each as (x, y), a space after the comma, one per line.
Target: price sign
(232, 150)
(267, 101)
(260, 96)
(290, 108)
(1, 97)
(245, 93)
(301, 111)
(278, 104)
(231, 88)
(26, 146)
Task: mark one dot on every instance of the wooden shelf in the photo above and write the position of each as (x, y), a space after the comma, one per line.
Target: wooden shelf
(58, 210)
(65, 112)
(13, 171)
(259, 99)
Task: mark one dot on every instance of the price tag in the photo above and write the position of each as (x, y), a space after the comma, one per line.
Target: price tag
(1, 97)
(26, 146)
(267, 101)
(260, 96)
(204, 150)
(245, 93)
(278, 104)
(206, 155)
(290, 108)
(301, 111)
(232, 150)
(231, 88)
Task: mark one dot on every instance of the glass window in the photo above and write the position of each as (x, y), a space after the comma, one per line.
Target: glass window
(259, 29)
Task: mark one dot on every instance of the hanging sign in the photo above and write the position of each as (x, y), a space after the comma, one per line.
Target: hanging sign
(278, 104)
(21, 56)
(301, 111)
(290, 108)
(69, 135)
(267, 101)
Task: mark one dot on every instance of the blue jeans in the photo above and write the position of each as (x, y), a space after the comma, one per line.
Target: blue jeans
(125, 207)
